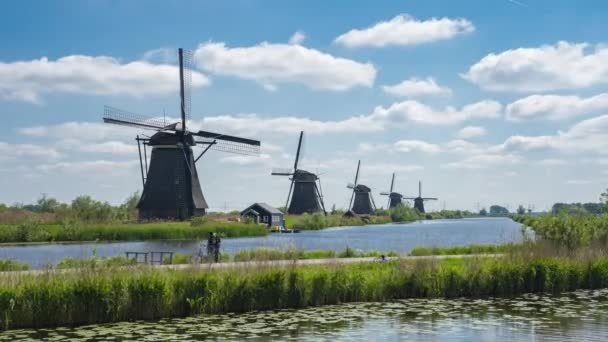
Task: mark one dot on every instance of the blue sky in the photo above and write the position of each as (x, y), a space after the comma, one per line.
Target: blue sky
(484, 101)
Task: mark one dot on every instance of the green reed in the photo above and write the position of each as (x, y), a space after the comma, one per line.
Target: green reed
(463, 250)
(118, 294)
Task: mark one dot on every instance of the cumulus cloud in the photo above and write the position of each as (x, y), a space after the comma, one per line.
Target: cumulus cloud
(548, 67)
(586, 136)
(77, 74)
(14, 151)
(421, 113)
(98, 167)
(272, 64)
(471, 132)
(482, 161)
(297, 38)
(414, 87)
(404, 146)
(405, 30)
(554, 107)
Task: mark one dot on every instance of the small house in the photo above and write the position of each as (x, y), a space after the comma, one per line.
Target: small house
(264, 213)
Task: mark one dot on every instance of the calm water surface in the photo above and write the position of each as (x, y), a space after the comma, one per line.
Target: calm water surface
(387, 237)
(577, 316)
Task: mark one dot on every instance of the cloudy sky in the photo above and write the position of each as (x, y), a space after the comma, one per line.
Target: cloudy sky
(484, 101)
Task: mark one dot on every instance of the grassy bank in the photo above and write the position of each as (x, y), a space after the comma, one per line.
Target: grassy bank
(319, 221)
(35, 231)
(569, 231)
(264, 254)
(141, 293)
(463, 250)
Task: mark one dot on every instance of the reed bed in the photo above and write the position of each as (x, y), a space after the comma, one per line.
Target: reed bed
(570, 231)
(34, 231)
(125, 294)
(464, 250)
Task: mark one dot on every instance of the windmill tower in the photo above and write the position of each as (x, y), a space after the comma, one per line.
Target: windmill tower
(419, 201)
(307, 196)
(171, 186)
(394, 198)
(361, 201)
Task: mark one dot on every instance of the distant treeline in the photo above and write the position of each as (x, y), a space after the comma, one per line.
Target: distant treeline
(579, 208)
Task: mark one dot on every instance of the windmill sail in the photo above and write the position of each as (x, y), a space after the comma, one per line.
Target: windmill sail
(361, 201)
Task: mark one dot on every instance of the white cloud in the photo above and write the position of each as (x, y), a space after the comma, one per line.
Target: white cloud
(586, 136)
(99, 167)
(482, 161)
(471, 132)
(271, 64)
(551, 162)
(77, 74)
(404, 146)
(416, 88)
(263, 158)
(554, 107)
(297, 38)
(579, 181)
(405, 30)
(14, 151)
(85, 131)
(421, 113)
(110, 147)
(549, 67)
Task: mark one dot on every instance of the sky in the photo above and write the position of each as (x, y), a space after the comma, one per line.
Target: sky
(486, 102)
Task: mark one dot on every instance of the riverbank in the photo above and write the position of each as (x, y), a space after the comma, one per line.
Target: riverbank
(118, 294)
(35, 231)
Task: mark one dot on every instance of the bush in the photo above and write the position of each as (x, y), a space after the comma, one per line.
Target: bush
(403, 213)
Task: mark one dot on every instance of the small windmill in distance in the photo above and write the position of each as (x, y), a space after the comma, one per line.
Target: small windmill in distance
(307, 196)
(361, 201)
(419, 201)
(394, 198)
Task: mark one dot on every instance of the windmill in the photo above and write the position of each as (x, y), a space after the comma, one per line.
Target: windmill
(361, 201)
(419, 201)
(394, 198)
(171, 186)
(307, 196)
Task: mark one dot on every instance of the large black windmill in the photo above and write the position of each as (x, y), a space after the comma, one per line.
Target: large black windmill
(419, 201)
(307, 196)
(171, 186)
(394, 198)
(361, 201)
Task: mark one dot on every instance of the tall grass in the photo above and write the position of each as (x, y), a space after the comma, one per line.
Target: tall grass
(463, 250)
(13, 265)
(34, 231)
(110, 295)
(261, 254)
(318, 221)
(570, 231)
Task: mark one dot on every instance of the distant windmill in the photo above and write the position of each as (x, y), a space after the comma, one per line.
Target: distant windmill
(419, 201)
(361, 201)
(171, 186)
(394, 198)
(307, 196)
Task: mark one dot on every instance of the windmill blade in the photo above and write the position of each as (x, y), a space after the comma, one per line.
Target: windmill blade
(281, 172)
(409, 198)
(185, 77)
(430, 198)
(357, 174)
(295, 164)
(350, 185)
(392, 182)
(385, 193)
(229, 143)
(122, 117)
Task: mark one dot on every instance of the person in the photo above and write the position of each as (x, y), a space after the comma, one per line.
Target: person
(217, 248)
(210, 245)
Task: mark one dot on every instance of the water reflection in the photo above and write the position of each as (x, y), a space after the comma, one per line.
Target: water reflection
(577, 316)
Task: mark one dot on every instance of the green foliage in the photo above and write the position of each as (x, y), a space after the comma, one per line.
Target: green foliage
(497, 210)
(266, 254)
(570, 231)
(483, 212)
(462, 250)
(94, 262)
(521, 210)
(404, 213)
(12, 265)
(110, 295)
(318, 221)
(578, 208)
(34, 231)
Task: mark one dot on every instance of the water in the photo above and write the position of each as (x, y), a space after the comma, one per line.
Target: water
(388, 237)
(576, 316)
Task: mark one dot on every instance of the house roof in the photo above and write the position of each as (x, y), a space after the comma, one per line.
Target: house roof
(270, 209)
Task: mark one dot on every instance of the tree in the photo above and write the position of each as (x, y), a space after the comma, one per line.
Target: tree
(521, 210)
(47, 204)
(497, 210)
(483, 212)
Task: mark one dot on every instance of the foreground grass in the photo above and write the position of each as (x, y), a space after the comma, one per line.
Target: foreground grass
(264, 254)
(118, 294)
(33, 231)
(463, 250)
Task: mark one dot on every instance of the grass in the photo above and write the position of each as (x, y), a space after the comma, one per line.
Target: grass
(34, 231)
(463, 250)
(264, 254)
(110, 295)
(13, 265)
(319, 221)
